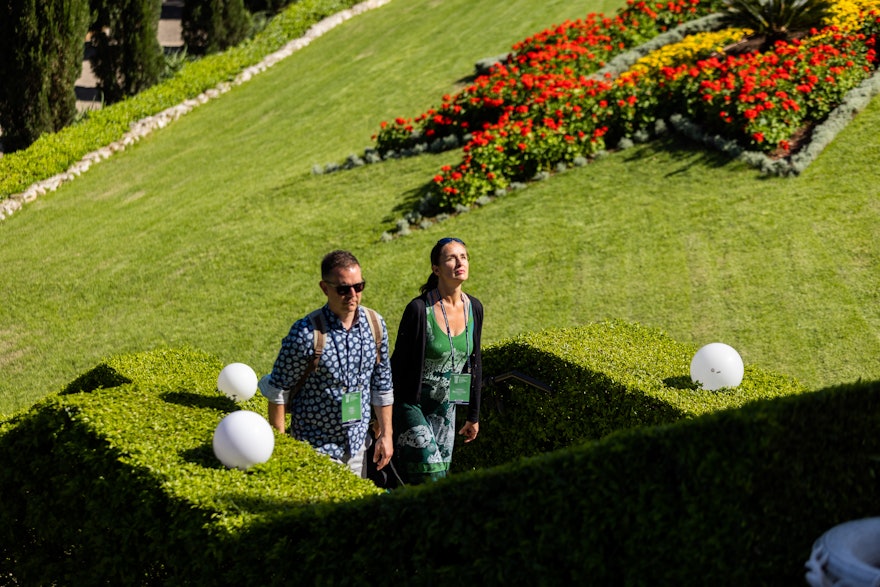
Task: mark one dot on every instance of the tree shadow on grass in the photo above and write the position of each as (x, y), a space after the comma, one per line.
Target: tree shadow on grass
(412, 200)
(687, 153)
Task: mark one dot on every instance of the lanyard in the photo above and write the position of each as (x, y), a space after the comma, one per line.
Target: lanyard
(349, 377)
(467, 341)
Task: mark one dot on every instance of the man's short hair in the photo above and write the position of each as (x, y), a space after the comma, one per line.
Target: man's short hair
(337, 259)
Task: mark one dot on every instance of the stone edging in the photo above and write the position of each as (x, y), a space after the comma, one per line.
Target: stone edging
(147, 125)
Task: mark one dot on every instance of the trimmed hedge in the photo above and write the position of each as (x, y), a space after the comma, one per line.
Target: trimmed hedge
(605, 377)
(114, 481)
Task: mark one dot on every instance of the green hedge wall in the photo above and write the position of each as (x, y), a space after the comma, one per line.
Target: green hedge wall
(731, 498)
(605, 376)
(114, 481)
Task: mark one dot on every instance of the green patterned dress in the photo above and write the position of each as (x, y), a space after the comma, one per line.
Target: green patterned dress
(424, 446)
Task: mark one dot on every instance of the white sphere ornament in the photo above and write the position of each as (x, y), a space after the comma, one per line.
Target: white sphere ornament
(243, 439)
(717, 365)
(237, 381)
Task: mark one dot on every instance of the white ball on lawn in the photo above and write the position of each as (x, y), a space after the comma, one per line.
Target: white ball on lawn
(237, 381)
(243, 439)
(717, 365)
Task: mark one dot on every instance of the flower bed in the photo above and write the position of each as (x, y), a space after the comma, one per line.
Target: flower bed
(550, 104)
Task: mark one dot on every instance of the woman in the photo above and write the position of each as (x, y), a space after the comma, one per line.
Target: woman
(436, 364)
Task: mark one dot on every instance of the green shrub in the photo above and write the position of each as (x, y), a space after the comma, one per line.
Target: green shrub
(605, 377)
(267, 6)
(731, 498)
(210, 26)
(114, 480)
(128, 57)
(775, 19)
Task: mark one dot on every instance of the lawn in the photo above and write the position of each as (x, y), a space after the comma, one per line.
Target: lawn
(209, 232)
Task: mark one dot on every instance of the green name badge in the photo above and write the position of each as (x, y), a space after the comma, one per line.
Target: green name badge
(460, 388)
(351, 408)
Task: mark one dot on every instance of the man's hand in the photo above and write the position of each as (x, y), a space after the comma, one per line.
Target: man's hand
(384, 450)
(384, 441)
(276, 416)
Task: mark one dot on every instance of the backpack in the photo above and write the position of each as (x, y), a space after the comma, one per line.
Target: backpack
(320, 338)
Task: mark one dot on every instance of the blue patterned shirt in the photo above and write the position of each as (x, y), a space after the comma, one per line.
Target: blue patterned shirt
(348, 363)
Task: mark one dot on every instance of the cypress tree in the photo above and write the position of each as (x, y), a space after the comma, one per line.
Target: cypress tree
(127, 55)
(268, 6)
(41, 53)
(210, 26)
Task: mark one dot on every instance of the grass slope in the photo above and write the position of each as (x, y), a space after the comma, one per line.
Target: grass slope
(209, 232)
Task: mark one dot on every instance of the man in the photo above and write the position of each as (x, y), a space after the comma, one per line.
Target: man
(332, 407)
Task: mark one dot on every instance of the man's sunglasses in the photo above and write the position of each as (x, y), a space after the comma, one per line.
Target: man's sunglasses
(343, 289)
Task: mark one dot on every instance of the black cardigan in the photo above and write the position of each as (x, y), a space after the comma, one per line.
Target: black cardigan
(408, 358)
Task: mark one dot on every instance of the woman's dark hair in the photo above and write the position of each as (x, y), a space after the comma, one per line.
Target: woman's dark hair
(435, 260)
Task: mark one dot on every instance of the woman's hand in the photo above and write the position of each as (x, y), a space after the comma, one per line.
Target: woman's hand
(470, 431)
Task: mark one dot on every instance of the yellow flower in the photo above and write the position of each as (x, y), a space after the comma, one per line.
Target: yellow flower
(690, 49)
(849, 14)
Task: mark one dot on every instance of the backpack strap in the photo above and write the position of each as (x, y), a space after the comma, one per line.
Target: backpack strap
(320, 335)
(376, 329)
(319, 328)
